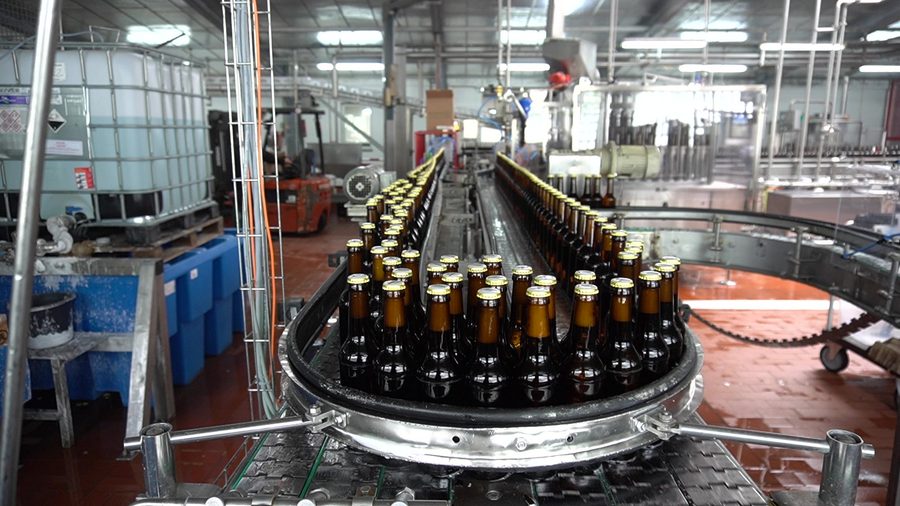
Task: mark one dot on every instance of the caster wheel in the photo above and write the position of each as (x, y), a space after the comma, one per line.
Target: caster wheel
(837, 364)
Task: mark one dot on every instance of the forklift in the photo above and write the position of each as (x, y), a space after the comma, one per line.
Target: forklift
(302, 191)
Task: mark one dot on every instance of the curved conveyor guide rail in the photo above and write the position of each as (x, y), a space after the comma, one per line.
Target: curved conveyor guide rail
(856, 265)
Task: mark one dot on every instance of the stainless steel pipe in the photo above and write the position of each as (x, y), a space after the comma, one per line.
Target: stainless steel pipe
(230, 430)
(765, 438)
(26, 241)
(840, 471)
(159, 460)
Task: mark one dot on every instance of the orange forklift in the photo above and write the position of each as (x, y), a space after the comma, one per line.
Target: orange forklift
(302, 191)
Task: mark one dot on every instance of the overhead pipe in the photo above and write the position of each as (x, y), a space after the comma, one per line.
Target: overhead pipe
(611, 53)
(779, 72)
(26, 242)
(810, 70)
(839, 10)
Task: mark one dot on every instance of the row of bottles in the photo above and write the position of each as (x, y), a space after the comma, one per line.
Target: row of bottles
(481, 340)
(589, 192)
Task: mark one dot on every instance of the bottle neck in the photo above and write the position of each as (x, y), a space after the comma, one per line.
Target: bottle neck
(519, 299)
(538, 325)
(456, 301)
(394, 313)
(489, 322)
(666, 299)
(587, 230)
(609, 186)
(476, 282)
(355, 262)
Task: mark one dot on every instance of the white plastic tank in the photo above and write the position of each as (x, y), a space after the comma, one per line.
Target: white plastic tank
(128, 137)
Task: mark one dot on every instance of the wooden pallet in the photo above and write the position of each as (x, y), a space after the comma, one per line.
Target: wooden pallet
(172, 243)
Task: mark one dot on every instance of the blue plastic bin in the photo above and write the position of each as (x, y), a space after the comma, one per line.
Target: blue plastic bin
(193, 276)
(226, 265)
(187, 351)
(218, 327)
(237, 312)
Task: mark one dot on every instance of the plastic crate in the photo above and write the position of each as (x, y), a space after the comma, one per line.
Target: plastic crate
(187, 351)
(193, 276)
(218, 327)
(226, 265)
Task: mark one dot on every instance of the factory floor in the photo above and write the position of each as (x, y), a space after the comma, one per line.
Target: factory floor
(777, 389)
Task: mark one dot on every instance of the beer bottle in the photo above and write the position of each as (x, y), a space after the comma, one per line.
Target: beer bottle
(572, 192)
(619, 238)
(384, 223)
(439, 372)
(435, 270)
(585, 276)
(393, 374)
(559, 230)
(476, 272)
(636, 247)
(372, 213)
(669, 259)
(390, 263)
(521, 280)
(584, 371)
(451, 262)
(539, 371)
(549, 281)
(415, 315)
(487, 376)
(458, 335)
(565, 240)
(609, 200)
(391, 244)
(627, 266)
(410, 259)
(582, 259)
(649, 341)
(671, 334)
(358, 348)
(502, 284)
(596, 198)
(355, 257)
(600, 259)
(623, 364)
(379, 276)
(367, 234)
(573, 244)
(494, 264)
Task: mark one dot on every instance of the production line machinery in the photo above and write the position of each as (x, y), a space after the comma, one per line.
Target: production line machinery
(338, 446)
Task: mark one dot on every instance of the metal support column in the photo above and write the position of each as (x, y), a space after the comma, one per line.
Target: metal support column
(611, 54)
(26, 238)
(810, 70)
(779, 72)
(159, 461)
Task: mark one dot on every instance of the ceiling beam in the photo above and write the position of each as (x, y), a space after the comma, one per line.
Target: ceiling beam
(660, 13)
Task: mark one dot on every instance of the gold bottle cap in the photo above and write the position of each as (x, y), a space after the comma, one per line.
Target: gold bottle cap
(613, 175)
(522, 270)
(392, 230)
(488, 293)
(491, 258)
(367, 225)
(449, 259)
(537, 292)
(594, 213)
(390, 243)
(435, 267)
(394, 285)
(354, 243)
(401, 273)
(603, 219)
(410, 253)
(650, 276)
(586, 289)
(547, 280)
(378, 250)
(619, 233)
(585, 275)
(476, 268)
(627, 255)
(496, 280)
(608, 226)
(357, 279)
(438, 289)
(664, 267)
(621, 283)
(385, 217)
(391, 261)
(452, 277)
(669, 259)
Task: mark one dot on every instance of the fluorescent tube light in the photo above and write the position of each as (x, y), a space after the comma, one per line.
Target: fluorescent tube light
(800, 46)
(880, 69)
(349, 37)
(715, 35)
(526, 67)
(523, 37)
(718, 68)
(156, 35)
(352, 66)
(882, 35)
(662, 43)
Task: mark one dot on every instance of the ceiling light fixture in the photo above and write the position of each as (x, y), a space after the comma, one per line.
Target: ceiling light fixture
(880, 69)
(715, 35)
(349, 37)
(882, 35)
(158, 35)
(523, 37)
(662, 43)
(713, 68)
(800, 46)
(352, 66)
(526, 67)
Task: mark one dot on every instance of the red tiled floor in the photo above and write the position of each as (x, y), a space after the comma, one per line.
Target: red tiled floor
(782, 390)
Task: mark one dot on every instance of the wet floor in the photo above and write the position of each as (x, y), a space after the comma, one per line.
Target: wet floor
(782, 390)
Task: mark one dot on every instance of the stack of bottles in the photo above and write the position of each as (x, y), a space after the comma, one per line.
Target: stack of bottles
(590, 192)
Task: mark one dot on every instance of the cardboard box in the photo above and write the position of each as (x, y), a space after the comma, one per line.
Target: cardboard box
(438, 109)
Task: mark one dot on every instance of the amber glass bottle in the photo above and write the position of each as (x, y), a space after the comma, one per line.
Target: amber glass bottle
(494, 264)
(367, 234)
(488, 376)
(451, 262)
(439, 373)
(583, 256)
(623, 363)
(548, 281)
(649, 341)
(672, 335)
(539, 371)
(411, 259)
(669, 259)
(609, 199)
(458, 336)
(435, 270)
(583, 372)
(393, 374)
(358, 348)
(521, 280)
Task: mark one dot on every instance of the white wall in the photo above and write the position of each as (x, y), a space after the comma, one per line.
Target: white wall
(867, 102)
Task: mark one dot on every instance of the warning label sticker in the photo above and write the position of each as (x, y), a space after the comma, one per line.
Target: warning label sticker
(84, 178)
(64, 148)
(55, 120)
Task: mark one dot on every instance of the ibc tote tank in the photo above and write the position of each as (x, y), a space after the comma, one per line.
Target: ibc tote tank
(127, 141)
